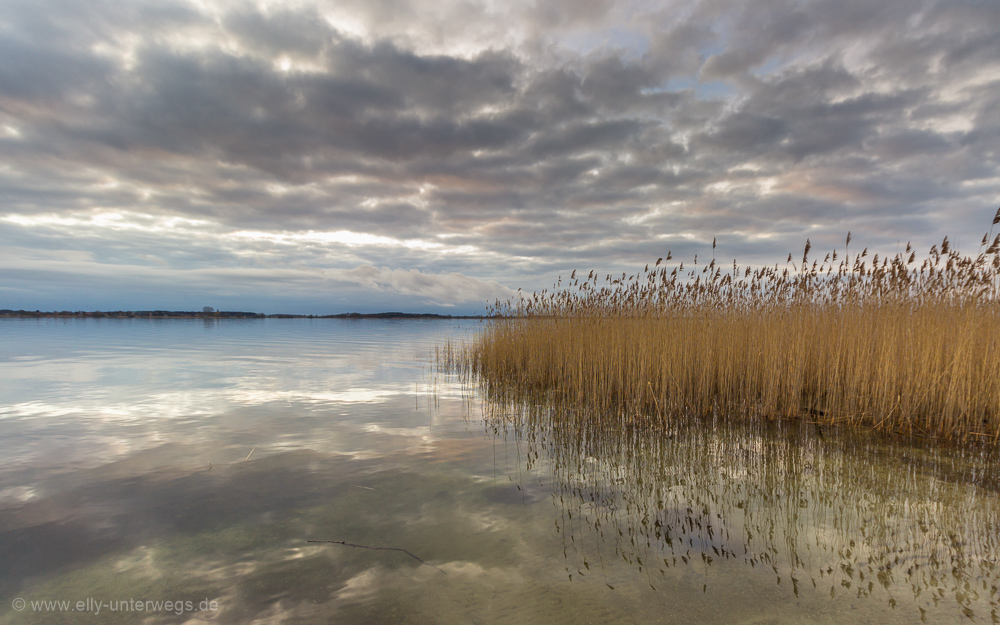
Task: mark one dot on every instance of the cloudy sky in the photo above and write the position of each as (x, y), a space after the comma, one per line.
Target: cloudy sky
(366, 155)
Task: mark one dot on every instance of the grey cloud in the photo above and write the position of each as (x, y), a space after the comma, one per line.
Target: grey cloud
(677, 50)
(301, 33)
(910, 143)
(613, 83)
(759, 34)
(44, 74)
(747, 132)
(552, 13)
(576, 131)
(729, 63)
(584, 137)
(448, 289)
(553, 95)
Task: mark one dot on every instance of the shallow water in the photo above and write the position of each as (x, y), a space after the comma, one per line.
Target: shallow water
(190, 461)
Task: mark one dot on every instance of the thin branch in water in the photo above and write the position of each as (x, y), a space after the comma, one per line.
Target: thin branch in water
(346, 544)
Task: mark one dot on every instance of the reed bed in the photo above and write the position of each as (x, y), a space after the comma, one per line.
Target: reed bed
(891, 343)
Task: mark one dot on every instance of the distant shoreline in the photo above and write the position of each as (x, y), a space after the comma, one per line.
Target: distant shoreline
(218, 314)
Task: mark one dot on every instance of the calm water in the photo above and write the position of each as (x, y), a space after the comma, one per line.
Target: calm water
(126, 479)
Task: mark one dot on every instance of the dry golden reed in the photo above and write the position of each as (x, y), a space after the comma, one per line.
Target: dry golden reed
(893, 343)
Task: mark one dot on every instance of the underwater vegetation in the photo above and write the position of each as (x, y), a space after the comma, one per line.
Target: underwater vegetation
(834, 512)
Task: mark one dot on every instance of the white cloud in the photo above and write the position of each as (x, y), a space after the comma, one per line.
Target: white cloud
(444, 289)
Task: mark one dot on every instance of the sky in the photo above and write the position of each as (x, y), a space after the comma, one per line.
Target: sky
(375, 155)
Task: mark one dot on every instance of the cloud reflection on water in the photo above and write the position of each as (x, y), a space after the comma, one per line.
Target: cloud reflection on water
(119, 483)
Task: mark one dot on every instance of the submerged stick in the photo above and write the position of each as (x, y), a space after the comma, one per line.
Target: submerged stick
(340, 542)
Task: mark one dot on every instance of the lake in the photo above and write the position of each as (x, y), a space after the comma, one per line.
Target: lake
(173, 471)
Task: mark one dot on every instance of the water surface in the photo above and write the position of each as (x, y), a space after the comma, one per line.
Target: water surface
(190, 461)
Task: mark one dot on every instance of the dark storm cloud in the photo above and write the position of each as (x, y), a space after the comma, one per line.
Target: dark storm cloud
(456, 140)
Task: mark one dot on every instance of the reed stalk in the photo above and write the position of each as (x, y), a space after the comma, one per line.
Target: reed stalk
(890, 343)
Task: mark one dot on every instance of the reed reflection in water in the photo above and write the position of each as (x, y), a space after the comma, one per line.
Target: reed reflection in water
(845, 514)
